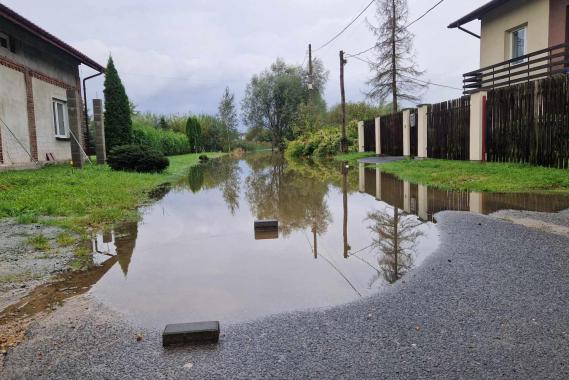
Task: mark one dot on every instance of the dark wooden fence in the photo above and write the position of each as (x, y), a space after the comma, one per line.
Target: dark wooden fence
(391, 130)
(369, 135)
(448, 129)
(529, 123)
(414, 132)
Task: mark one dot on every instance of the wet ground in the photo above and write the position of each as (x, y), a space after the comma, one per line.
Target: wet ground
(344, 235)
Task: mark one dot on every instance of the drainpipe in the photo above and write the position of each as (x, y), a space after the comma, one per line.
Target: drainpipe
(85, 98)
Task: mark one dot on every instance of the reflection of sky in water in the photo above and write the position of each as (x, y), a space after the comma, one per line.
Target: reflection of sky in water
(195, 260)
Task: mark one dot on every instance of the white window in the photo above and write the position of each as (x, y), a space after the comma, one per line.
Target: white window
(519, 45)
(60, 118)
(4, 41)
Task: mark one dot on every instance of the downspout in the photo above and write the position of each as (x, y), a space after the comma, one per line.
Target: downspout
(85, 105)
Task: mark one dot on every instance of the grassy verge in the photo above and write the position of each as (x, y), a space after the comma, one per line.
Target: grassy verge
(486, 177)
(80, 199)
(353, 157)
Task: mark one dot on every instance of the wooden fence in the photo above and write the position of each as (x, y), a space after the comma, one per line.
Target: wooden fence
(448, 129)
(392, 134)
(529, 123)
(369, 135)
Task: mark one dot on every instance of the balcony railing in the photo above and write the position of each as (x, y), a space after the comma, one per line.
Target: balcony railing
(539, 64)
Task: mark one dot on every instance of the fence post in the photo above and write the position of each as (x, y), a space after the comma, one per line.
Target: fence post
(477, 118)
(422, 125)
(476, 203)
(98, 118)
(75, 131)
(423, 195)
(406, 133)
(378, 184)
(361, 145)
(362, 177)
(407, 197)
(378, 136)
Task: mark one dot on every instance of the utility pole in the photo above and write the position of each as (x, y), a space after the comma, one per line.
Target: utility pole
(310, 75)
(344, 141)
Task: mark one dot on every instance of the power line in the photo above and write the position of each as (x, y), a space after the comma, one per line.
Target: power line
(429, 83)
(404, 27)
(346, 27)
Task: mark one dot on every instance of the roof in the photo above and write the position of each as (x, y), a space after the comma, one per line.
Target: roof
(48, 37)
(478, 13)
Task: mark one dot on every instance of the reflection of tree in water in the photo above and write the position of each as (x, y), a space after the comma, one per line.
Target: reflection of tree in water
(222, 173)
(394, 237)
(125, 242)
(297, 201)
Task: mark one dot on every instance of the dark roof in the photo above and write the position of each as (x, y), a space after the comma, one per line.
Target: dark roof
(47, 37)
(478, 13)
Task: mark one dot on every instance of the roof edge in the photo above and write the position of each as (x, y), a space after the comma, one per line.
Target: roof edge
(48, 37)
(477, 13)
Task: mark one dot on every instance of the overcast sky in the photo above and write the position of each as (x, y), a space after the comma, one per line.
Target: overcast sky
(177, 56)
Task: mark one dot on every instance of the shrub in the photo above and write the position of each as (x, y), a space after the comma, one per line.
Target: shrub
(203, 157)
(168, 142)
(322, 143)
(136, 158)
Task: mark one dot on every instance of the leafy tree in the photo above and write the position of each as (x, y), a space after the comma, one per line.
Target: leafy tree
(213, 135)
(394, 69)
(272, 99)
(356, 112)
(163, 124)
(228, 117)
(118, 123)
(194, 133)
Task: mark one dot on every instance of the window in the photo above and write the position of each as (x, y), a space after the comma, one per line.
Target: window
(519, 43)
(4, 41)
(60, 118)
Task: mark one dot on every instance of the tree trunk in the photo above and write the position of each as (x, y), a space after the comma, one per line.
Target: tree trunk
(393, 58)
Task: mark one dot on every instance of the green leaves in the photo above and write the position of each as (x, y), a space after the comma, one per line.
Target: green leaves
(118, 123)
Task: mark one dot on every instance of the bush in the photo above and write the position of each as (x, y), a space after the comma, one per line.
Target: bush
(322, 143)
(170, 143)
(203, 157)
(136, 158)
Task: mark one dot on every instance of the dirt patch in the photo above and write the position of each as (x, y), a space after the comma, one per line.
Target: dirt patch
(552, 223)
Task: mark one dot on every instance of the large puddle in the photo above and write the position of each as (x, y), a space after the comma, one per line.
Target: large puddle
(343, 234)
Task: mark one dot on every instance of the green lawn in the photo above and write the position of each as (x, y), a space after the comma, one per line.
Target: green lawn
(484, 177)
(78, 199)
(353, 157)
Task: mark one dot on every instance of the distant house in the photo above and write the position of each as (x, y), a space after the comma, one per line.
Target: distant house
(40, 93)
(527, 35)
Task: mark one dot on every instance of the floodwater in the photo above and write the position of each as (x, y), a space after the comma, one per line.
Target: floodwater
(343, 233)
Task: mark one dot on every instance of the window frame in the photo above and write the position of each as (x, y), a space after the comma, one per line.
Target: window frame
(4, 36)
(511, 33)
(56, 120)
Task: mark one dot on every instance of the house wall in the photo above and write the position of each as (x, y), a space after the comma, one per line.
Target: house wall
(13, 111)
(557, 22)
(494, 38)
(34, 74)
(44, 92)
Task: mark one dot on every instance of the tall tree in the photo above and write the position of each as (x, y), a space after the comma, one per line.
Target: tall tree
(194, 133)
(272, 99)
(163, 124)
(228, 117)
(118, 122)
(394, 69)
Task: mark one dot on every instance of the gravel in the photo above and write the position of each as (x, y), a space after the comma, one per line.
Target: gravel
(491, 302)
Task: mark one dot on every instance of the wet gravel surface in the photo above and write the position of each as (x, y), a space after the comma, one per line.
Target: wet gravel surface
(491, 302)
(21, 266)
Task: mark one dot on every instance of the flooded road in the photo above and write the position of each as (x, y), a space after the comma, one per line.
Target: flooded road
(343, 233)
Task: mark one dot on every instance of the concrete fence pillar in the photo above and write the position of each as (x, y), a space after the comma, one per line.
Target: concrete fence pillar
(378, 184)
(476, 203)
(362, 177)
(477, 118)
(378, 136)
(75, 131)
(98, 118)
(423, 206)
(407, 197)
(406, 133)
(361, 145)
(422, 136)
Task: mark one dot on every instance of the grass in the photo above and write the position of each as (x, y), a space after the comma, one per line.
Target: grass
(353, 157)
(18, 277)
(39, 242)
(79, 199)
(485, 177)
(65, 239)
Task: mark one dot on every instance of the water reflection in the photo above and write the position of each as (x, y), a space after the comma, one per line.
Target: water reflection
(425, 202)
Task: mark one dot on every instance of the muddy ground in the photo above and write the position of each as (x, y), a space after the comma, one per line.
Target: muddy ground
(491, 302)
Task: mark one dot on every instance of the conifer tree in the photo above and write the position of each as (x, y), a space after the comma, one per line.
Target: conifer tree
(118, 122)
(194, 133)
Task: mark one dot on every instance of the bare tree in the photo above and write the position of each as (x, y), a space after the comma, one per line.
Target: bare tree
(394, 69)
